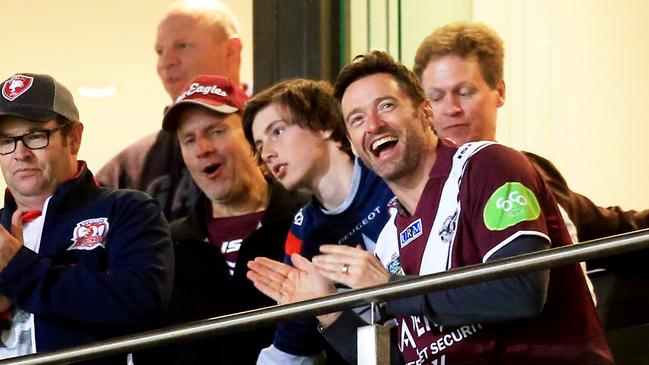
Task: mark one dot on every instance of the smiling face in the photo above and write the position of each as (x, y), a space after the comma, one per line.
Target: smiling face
(295, 155)
(34, 175)
(187, 46)
(464, 105)
(388, 132)
(217, 154)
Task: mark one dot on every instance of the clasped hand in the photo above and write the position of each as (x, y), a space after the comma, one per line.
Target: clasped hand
(351, 266)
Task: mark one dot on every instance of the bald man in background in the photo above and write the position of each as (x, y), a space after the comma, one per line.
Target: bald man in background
(192, 38)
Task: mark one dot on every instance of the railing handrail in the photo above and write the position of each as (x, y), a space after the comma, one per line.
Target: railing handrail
(408, 287)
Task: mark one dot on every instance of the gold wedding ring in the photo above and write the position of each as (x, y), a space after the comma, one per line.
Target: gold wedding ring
(344, 269)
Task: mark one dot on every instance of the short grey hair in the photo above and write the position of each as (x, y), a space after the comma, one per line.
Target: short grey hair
(213, 12)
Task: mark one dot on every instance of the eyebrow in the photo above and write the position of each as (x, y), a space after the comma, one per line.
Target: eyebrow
(266, 131)
(30, 130)
(374, 102)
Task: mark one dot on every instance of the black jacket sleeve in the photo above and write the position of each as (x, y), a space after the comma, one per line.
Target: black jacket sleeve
(509, 298)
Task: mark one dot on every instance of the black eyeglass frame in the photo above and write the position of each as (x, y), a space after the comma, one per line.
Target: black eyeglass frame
(48, 134)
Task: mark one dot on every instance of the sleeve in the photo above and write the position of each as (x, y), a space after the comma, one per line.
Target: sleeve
(273, 356)
(111, 174)
(132, 293)
(342, 335)
(592, 221)
(124, 171)
(503, 197)
(508, 298)
(299, 337)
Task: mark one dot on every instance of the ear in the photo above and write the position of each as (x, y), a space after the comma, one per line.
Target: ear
(74, 137)
(352, 146)
(501, 93)
(427, 112)
(326, 134)
(234, 47)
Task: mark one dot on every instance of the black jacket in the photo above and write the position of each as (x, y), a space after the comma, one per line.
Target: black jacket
(203, 288)
(167, 179)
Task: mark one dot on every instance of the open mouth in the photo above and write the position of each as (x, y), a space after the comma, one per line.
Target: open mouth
(383, 144)
(279, 170)
(210, 169)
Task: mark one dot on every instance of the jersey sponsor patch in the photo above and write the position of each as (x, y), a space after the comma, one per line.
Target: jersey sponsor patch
(90, 234)
(509, 205)
(410, 233)
(16, 86)
(394, 266)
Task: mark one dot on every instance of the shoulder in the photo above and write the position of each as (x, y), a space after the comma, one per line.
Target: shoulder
(128, 162)
(545, 167)
(498, 169)
(499, 159)
(128, 204)
(284, 204)
(181, 229)
(124, 196)
(306, 218)
(136, 150)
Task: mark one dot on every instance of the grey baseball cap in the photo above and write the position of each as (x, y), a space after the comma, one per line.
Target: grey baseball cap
(37, 97)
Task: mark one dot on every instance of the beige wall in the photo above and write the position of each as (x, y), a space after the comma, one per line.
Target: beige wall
(576, 73)
(97, 44)
(577, 81)
(577, 90)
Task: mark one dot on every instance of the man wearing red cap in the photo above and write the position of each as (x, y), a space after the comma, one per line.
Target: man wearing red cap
(238, 216)
(78, 263)
(194, 37)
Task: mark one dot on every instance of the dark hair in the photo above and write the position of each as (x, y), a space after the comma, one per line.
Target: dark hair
(379, 62)
(464, 39)
(307, 103)
(64, 123)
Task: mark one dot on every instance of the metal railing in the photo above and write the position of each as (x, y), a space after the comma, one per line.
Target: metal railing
(260, 317)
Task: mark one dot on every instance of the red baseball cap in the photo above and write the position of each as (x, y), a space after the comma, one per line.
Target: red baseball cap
(213, 92)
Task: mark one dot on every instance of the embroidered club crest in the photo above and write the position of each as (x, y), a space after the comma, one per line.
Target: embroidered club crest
(447, 232)
(90, 234)
(16, 86)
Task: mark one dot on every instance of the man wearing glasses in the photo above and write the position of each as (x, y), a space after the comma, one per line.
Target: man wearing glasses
(78, 263)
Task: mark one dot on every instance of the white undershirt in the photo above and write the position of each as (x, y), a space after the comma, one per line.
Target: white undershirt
(20, 339)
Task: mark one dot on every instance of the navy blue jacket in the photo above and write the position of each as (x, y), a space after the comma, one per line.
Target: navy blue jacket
(79, 296)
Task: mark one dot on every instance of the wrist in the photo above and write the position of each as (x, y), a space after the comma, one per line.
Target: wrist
(327, 320)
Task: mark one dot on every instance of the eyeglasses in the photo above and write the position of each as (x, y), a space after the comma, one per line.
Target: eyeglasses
(34, 140)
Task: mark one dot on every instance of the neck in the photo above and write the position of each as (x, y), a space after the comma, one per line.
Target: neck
(334, 183)
(408, 189)
(254, 197)
(31, 202)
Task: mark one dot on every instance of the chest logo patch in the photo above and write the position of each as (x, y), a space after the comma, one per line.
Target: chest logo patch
(299, 218)
(509, 205)
(90, 234)
(411, 232)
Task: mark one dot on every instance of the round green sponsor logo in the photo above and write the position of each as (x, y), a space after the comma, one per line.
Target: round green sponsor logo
(510, 204)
